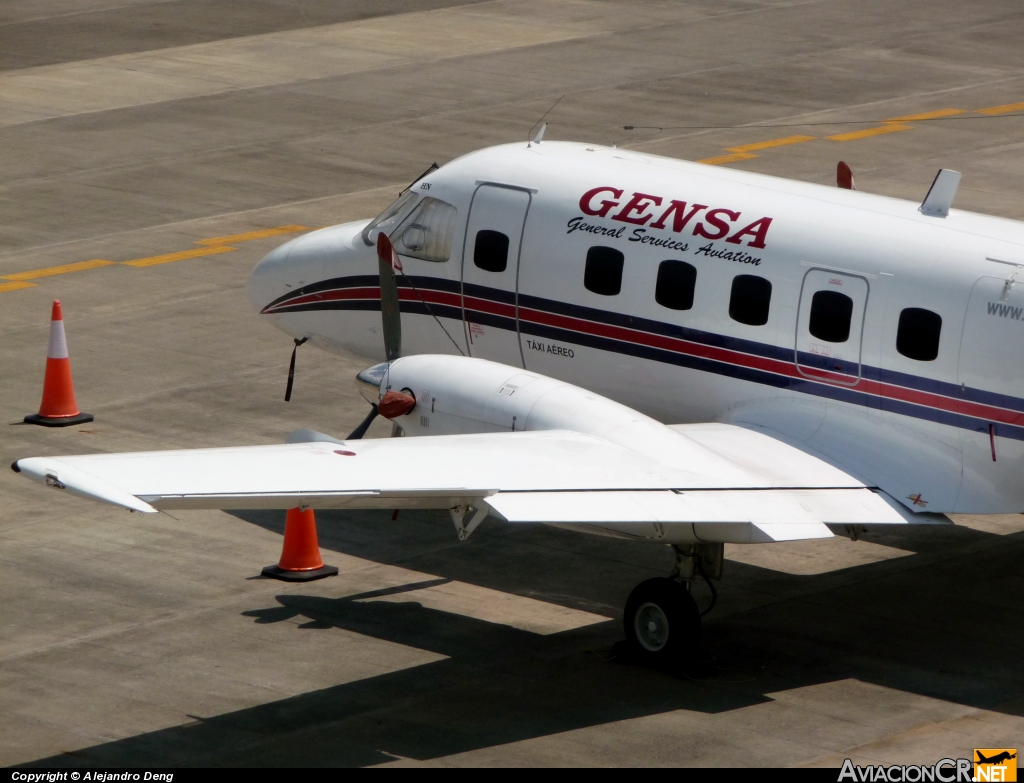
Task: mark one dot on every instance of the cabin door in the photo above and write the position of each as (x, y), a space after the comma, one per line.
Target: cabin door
(991, 376)
(490, 270)
(830, 326)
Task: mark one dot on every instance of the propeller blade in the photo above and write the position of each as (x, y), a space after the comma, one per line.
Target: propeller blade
(364, 425)
(392, 405)
(391, 316)
(844, 176)
(291, 370)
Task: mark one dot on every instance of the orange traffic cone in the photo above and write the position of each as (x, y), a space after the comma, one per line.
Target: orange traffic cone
(58, 408)
(300, 555)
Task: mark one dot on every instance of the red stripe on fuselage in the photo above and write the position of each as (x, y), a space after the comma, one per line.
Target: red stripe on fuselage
(677, 345)
(335, 295)
(776, 366)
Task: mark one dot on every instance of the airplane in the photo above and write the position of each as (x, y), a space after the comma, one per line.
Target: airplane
(996, 759)
(639, 347)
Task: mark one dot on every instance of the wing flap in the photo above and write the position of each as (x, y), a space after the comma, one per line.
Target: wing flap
(742, 516)
(737, 516)
(763, 506)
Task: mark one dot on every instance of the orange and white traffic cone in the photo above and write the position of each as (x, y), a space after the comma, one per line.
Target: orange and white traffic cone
(58, 408)
(300, 554)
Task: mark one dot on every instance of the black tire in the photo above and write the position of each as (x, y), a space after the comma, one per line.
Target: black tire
(662, 623)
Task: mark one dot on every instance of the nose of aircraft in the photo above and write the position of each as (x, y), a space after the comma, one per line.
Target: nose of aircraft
(305, 261)
(269, 278)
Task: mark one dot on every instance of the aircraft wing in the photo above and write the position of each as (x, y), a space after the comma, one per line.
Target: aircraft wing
(553, 476)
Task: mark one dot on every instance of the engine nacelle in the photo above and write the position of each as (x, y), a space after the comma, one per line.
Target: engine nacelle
(458, 395)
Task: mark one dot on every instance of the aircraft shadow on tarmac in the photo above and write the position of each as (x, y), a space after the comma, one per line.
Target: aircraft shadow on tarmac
(923, 624)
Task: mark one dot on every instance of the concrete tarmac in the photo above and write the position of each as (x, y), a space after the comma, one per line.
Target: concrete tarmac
(152, 152)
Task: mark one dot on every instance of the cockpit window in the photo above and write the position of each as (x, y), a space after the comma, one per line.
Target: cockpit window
(389, 218)
(427, 232)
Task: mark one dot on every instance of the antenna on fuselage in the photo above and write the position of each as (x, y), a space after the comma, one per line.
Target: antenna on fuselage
(544, 126)
(844, 176)
(941, 193)
(431, 168)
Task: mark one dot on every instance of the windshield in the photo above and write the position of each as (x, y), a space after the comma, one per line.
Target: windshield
(389, 218)
(427, 232)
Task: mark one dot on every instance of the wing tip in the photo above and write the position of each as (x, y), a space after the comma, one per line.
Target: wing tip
(53, 473)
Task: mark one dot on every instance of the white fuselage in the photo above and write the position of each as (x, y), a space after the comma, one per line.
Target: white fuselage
(863, 331)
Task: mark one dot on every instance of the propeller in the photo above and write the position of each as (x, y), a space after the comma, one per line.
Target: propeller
(391, 315)
(393, 403)
(291, 370)
(364, 425)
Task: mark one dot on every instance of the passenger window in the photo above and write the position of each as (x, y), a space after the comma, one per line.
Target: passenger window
(427, 232)
(831, 313)
(917, 336)
(491, 251)
(603, 274)
(676, 281)
(751, 297)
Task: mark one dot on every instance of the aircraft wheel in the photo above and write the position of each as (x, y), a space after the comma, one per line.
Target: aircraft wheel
(662, 623)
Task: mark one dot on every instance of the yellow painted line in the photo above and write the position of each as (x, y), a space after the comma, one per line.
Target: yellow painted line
(210, 247)
(766, 145)
(181, 256)
(727, 158)
(251, 235)
(928, 115)
(1006, 109)
(49, 271)
(15, 286)
(867, 132)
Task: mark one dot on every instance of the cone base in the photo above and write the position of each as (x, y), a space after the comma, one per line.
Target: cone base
(58, 421)
(276, 572)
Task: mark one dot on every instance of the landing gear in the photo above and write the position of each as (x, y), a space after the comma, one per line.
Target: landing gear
(661, 619)
(662, 623)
